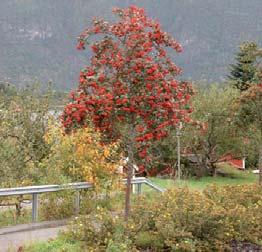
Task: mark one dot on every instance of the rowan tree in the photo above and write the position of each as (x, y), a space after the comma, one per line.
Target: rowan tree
(129, 88)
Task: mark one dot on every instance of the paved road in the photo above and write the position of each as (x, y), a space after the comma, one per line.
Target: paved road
(13, 240)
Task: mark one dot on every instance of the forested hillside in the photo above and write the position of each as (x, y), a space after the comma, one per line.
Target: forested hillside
(38, 37)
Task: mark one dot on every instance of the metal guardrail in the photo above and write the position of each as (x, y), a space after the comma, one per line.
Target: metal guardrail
(35, 190)
(154, 186)
(43, 188)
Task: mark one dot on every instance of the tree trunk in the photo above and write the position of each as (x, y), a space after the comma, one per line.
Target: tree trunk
(130, 152)
(18, 205)
(260, 165)
(128, 190)
(213, 169)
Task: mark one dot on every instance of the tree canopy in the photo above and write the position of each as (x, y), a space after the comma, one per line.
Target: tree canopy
(129, 91)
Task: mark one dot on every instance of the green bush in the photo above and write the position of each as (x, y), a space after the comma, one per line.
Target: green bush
(178, 220)
(57, 205)
(99, 231)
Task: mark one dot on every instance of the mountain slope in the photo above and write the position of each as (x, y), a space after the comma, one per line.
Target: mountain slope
(38, 37)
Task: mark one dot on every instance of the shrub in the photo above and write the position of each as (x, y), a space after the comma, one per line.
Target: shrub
(100, 231)
(58, 205)
(218, 219)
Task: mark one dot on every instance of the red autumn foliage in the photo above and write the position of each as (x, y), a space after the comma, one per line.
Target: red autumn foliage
(130, 79)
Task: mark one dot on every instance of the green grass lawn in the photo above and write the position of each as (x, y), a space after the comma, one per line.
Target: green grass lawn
(233, 177)
(58, 245)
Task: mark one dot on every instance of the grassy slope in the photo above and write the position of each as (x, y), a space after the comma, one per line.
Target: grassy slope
(234, 177)
(8, 217)
(58, 245)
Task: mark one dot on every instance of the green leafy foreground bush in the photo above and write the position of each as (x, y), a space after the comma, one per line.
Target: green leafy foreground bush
(179, 220)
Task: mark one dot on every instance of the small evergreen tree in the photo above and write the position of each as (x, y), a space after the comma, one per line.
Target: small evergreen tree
(245, 72)
(249, 119)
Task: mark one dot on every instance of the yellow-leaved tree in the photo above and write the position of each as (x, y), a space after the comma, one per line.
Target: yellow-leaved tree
(80, 156)
(77, 157)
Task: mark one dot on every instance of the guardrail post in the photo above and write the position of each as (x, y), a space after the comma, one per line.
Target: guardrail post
(34, 207)
(139, 188)
(77, 202)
